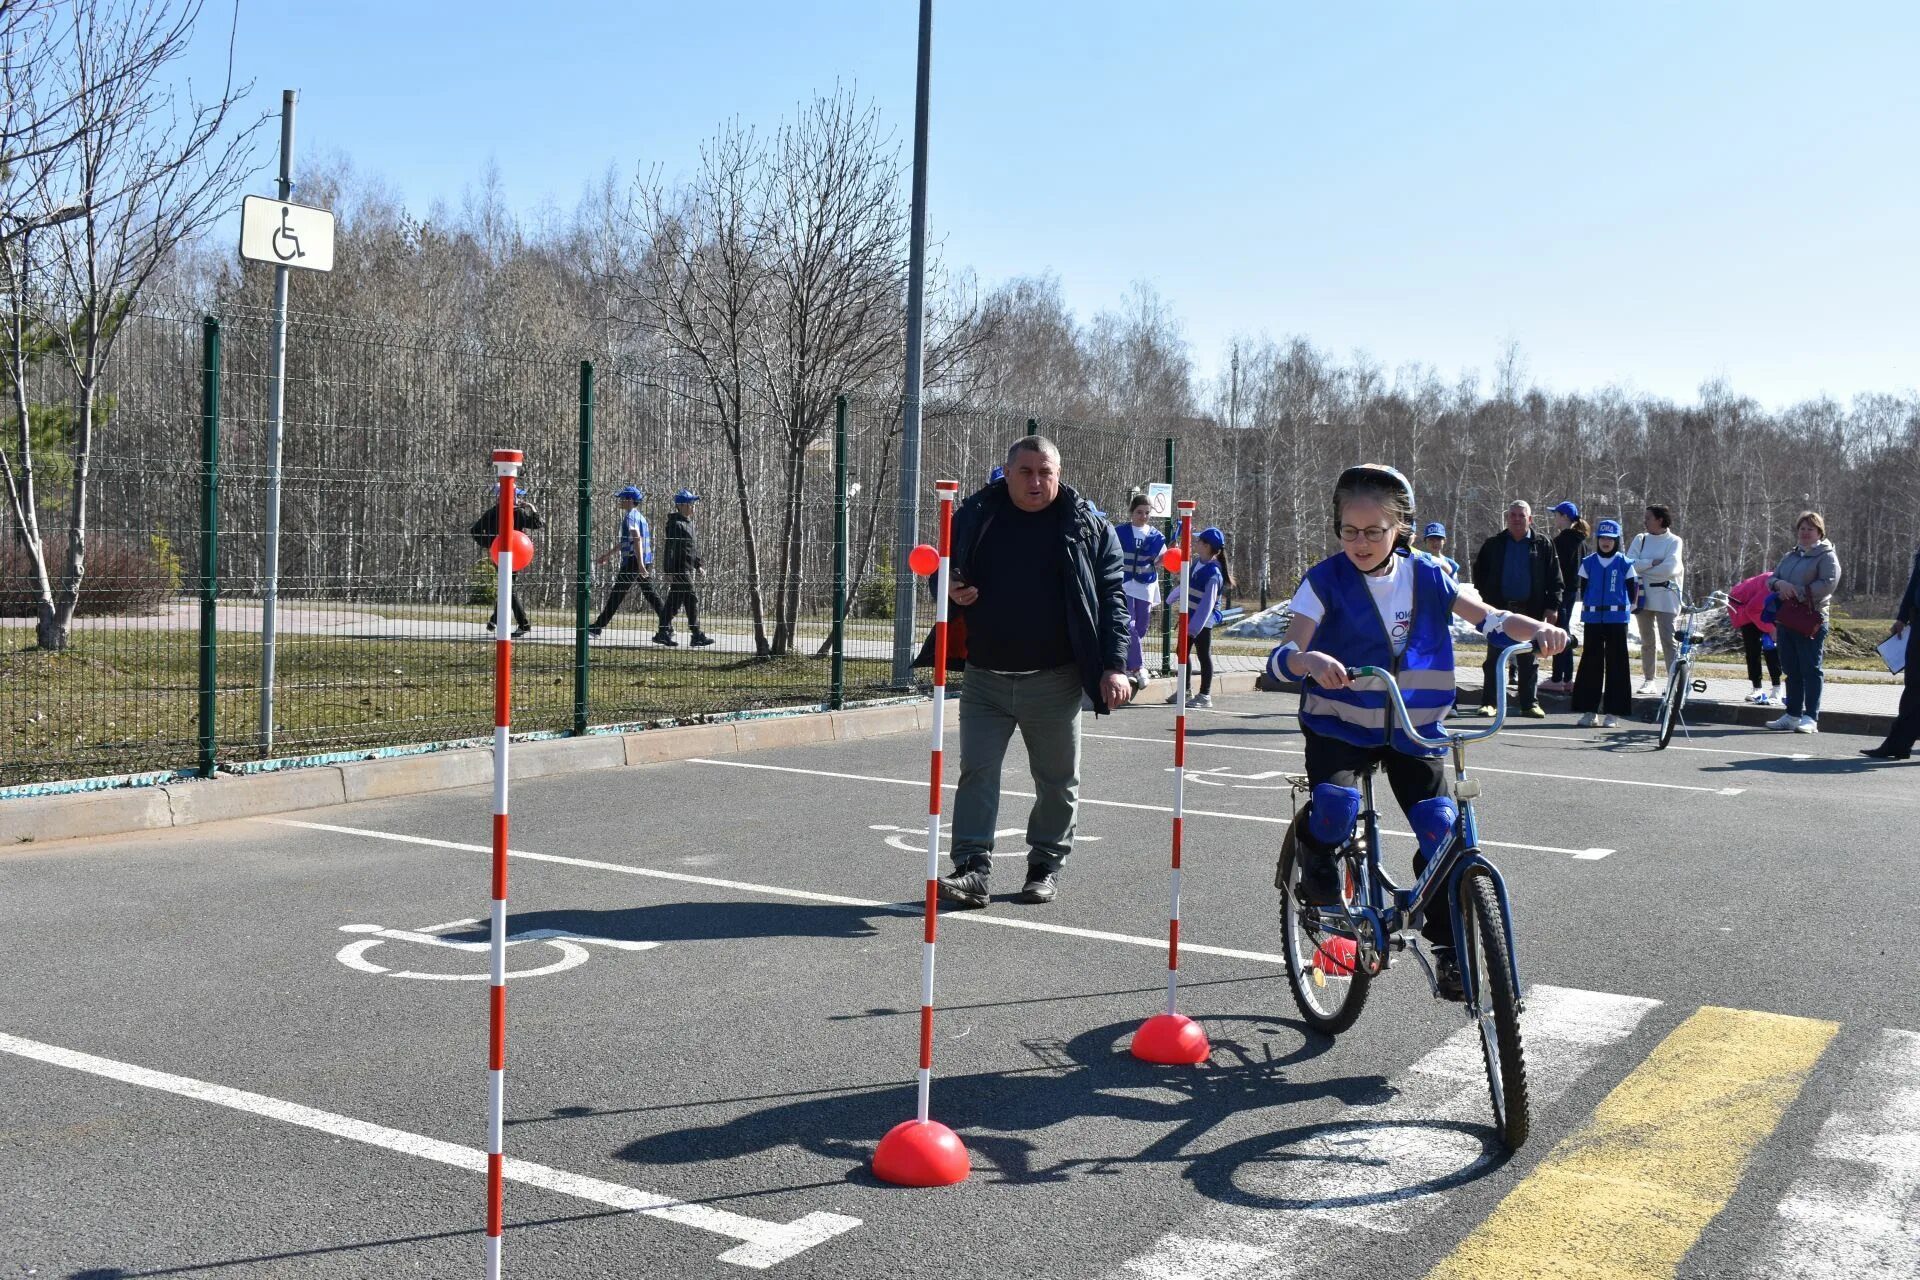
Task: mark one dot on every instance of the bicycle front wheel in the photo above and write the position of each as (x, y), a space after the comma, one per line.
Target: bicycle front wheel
(1671, 704)
(1329, 986)
(1495, 1006)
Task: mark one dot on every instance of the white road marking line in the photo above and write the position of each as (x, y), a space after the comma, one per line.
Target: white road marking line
(762, 1243)
(1568, 740)
(1856, 1209)
(1585, 855)
(1324, 1199)
(1478, 768)
(804, 895)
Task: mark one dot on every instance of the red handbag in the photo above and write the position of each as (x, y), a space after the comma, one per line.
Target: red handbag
(1799, 617)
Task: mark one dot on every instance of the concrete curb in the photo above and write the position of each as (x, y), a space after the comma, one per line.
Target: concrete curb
(40, 819)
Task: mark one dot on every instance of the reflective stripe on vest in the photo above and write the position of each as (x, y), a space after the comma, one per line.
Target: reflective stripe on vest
(1605, 597)
(1354, 632)
(1140, 552)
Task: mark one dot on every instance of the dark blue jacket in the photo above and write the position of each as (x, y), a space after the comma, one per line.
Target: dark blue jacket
(1910, 602)
(1097, 623)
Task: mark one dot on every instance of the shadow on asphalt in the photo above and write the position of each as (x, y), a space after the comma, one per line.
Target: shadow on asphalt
(702, 921)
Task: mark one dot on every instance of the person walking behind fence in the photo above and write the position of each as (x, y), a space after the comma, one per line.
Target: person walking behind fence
(1516, 572)
(1039, 581)
(1657, 558)
(1208, 582)
(680, 560)
(1570, 544)
(1746, 604)
(487, 528)
(1906, 725)
(635, 549)
(1804, 582)
(1140, 548)
(1434, 536)
(1608, 590)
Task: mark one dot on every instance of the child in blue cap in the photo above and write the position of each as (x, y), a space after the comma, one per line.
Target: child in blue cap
(634, 546)
(1205, 585)
(680, 559)
(1608, 591)
(1435, 538)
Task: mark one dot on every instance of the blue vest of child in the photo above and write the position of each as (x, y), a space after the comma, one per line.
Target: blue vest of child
(1206, 573)
(1605, 598)
(1354, 633)
(1140, 551)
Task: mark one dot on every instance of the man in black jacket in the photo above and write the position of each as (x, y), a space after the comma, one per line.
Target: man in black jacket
(1906, 725)
(680, 559)
(1517, 571)
(487, 528)
(1037, 576)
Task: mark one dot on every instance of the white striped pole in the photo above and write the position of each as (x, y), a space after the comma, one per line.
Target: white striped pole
(922, 1152)
(1170, 1037)
(506, 465)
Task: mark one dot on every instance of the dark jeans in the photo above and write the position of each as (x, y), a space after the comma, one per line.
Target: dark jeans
(1045, 707)
(629, 574)
(1906, 725)
(680, 594)
(1200, 649)
(1750, 636)
(1801, 657)
(1563, 660)
(1527, 667)
(1606, 674)
(520, 618)
(1413, 779)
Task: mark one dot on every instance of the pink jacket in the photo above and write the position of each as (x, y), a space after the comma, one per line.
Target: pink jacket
(1746, 602)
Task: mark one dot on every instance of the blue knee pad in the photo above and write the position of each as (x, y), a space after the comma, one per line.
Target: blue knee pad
(1331, 816)
(1432, 820)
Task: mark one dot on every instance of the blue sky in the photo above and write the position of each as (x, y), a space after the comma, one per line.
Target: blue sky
(1644, 194)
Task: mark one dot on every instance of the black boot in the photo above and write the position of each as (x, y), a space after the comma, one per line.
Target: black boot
(967, 886)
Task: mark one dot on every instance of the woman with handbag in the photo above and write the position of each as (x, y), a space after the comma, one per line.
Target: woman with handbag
(1804, 583)
(1657, 562)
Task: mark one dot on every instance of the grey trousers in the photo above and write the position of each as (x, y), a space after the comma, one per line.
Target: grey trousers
(1045, 708)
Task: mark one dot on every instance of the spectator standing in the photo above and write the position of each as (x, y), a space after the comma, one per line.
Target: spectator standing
(1906, 725)
(1806, 578)
(1570, 544)
(634, 546)
(1608, 590)
(1039, 581)
(526, 519)
(1205, 587)
(1657, 559)
(1140, 548)
(1746, 606)
(1516, 572)
(680, 560)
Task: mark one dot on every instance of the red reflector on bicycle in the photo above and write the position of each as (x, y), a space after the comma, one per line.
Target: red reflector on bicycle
(1336, 956)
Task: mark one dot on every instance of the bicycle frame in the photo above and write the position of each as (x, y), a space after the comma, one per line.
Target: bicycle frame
(1680, 675)
(1387, 909)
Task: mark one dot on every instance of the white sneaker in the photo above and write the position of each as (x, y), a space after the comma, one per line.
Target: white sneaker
(1589, 721)
(1784, 723)
(1609, 723)
(1807, 724)
(1758, 697)
(1203, 700)
(1777, 696)
(1646, 689)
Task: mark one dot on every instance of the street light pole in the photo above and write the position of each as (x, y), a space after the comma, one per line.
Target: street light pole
(908, 533)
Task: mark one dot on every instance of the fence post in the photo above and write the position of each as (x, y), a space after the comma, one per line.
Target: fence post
(1166, 613)
(839, 694)
(583, 552)
(209, 541)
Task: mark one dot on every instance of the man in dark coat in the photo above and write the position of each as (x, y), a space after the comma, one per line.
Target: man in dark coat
(1906, 725)
(487, 528)
(1038, 577)
(680, 560)
(1517, 571)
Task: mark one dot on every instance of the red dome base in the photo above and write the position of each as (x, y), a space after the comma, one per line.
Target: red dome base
(1171, 1039)
(921, 1153)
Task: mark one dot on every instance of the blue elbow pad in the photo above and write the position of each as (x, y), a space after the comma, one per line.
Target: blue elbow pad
(1331, 816)
(1432, 820)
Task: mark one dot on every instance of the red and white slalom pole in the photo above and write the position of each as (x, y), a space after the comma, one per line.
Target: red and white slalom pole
(506, 465)
(1172, 1038)
(922, 1152)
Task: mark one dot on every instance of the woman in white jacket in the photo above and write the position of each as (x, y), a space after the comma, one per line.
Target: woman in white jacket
(1656, 556)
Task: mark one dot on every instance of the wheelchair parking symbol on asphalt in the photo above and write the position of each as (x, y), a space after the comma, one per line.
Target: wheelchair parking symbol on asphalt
(1225, 777)
(902, 838)
(571, 946)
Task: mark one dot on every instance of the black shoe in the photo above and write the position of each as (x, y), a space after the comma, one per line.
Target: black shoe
(489, 624)
(1885, 753)
(966, 888)
(595, 630)
(1319, 878)
(1040, 886)
(521, 631)
(665, 638)
(701, 639)
(1446, 974)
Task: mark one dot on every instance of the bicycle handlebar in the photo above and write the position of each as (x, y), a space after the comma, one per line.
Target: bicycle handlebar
(1448, 736)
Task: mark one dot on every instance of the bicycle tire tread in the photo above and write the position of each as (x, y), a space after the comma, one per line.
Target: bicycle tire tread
(1488, 918)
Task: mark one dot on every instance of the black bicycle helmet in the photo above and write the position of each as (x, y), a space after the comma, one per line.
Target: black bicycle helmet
(1378, 473)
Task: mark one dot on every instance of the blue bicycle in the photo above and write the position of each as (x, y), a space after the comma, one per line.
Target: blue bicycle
(1333, 954)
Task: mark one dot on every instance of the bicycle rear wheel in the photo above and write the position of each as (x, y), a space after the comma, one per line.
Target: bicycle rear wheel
(1670, 705)
(1496, 1006)
(1329, 987)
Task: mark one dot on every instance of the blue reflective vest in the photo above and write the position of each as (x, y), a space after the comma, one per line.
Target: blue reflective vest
(1605, 597)
(1354, 633)
(1140, 552)
(1203, 581)
(636, 537)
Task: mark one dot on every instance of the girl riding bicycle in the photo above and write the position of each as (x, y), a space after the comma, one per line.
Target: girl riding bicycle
(1380, 603)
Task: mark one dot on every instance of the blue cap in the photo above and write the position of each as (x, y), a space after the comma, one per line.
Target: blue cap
(1212, 536)
(996, 475)
(1434, 530)
(1608, 529)
(1568, 510)
(685, 495)
(631, 492)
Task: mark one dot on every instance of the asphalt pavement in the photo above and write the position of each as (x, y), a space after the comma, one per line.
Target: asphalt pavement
(249, 1050)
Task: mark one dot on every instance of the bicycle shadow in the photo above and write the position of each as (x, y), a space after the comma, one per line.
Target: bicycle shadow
(700, 921)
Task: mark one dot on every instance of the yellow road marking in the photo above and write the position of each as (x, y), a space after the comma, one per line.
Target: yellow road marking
(1627, 1196)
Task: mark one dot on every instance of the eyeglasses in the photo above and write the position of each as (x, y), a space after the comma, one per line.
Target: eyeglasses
(1376, 534)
